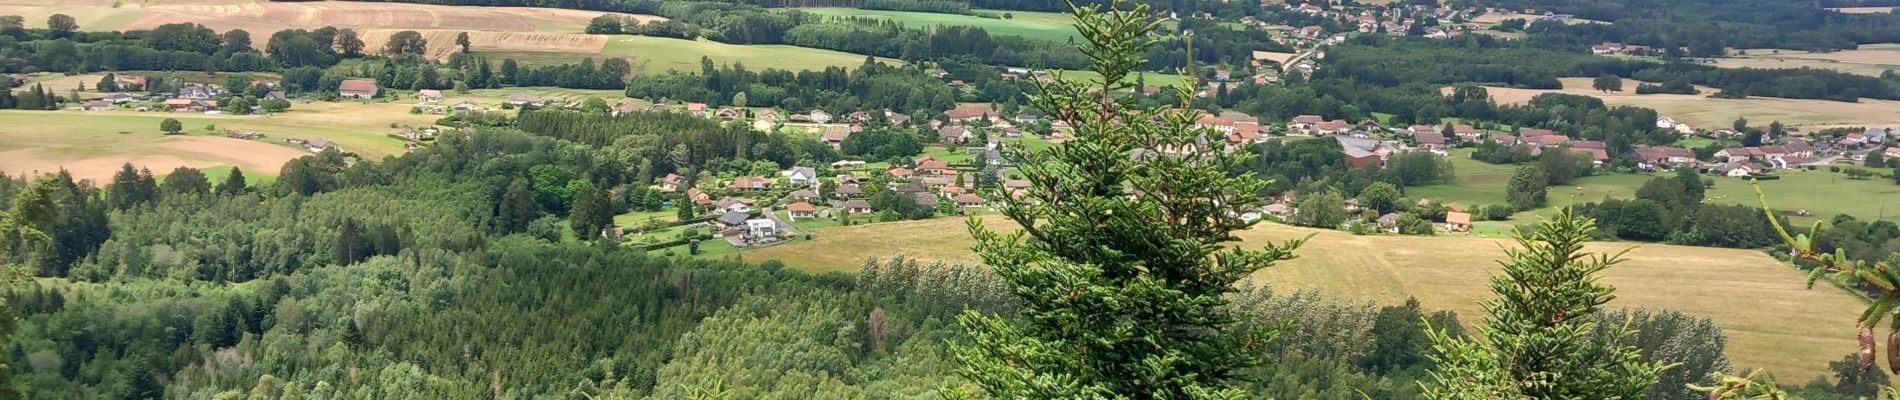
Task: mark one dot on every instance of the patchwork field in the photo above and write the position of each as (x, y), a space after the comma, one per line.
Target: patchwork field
(1771, 320)
(1048, 26)
(1702, 111)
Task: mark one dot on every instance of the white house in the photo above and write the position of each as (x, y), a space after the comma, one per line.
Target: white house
(820, 116)
(800, 176)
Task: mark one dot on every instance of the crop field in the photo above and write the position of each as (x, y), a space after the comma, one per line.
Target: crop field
(490, 28)
(1864, 10)
(94, 144)
(1870, 60)
(657, 54)
(1047, 26)
(1771, 320)
(94, 147)
(1702, 111)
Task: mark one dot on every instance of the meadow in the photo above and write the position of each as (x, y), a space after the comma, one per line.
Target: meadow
(1820, 192)
(1034, 25)
(1869, 60)
(652, 55)
(94, 144)
(1772, 321)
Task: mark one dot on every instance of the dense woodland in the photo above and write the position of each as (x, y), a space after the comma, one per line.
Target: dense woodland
(1713, 24)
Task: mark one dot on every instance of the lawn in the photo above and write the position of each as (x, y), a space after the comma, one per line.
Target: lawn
(1771, 320)
(1046, 26)
(1151, 78)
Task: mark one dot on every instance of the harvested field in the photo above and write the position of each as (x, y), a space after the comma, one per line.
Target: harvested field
(161, 154)
(1772, 322)
(1864, 10)
(1281, 58)
(1871, 60)
(442, 42)
(1702, 111)
(263, 18)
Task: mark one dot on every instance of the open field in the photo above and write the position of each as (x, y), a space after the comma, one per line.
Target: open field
(95, 147)
(1820, 192)
(1864, 10)
(1702, 111)
(1871, 60)
(1771, 320)
(94, 144)
(657, 54)
(490, 28)
(1047, 26)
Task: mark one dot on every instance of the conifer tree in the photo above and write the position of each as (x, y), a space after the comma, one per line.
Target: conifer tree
(1122, 296)
(1538, 340)
(233, 183)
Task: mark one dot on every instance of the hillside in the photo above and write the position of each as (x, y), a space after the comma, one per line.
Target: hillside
(1771, 320)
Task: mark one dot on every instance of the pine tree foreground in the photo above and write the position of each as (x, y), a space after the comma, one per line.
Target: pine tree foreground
(1125, 250)
(1537, 341)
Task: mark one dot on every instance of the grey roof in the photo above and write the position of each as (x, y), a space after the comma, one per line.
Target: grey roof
(924, 199)
(804, 193)
(856, 203)
(808, 171)
(734, 218)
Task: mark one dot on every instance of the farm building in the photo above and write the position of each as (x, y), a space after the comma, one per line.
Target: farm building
(358, 88)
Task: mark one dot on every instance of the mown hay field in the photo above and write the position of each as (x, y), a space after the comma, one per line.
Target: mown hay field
(1772, 321)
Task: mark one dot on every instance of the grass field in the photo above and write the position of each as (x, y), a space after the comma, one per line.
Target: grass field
(1047, 26)
(1702, 111)
(93, 144)
(1771, 320)
(1820, 192)
(651, 55)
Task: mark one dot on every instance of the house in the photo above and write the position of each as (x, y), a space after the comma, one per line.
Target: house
(925, 199)
(967, 200)
(801, 210)
(846, 164)
(319, 145)
(525, 99)
(953, 134)
(198, 92)
(187, 105)
(931, 165)
(765, 121)
(697, 109)
(857, 206)
(467, 105)
(1653, 157)
(967, 114)
(1334, 127)
(1666, 123)
(751, 183)
(672, 182)
(1246, 132)
(97, 105)
(729, 113)
(120, 98)
(849, 190)
(1362, 152)
(800, 176)
(276, 95)
(358, 88)
(1389, 222)
(937, 182)
(1430, 141)
(1458, 221)
(900, 172)
(803, 195)
(910, 188)
(1598, 156)
(1466, 133)
(624, 107)
(760, 229)
(1738, 169)
(820, 116)
(698, 196)
(728, 204)
(835, 135)
(1280, 210)
(1606, 48)
(1876, 135)
(733, 219)
(429, 95)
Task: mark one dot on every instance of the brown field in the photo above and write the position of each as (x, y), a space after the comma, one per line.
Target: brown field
(1274, 57)
(1702, 111)
(1771, 320)
(1870, 60)
(99, 160)
(442, 42)
(1864, 10)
